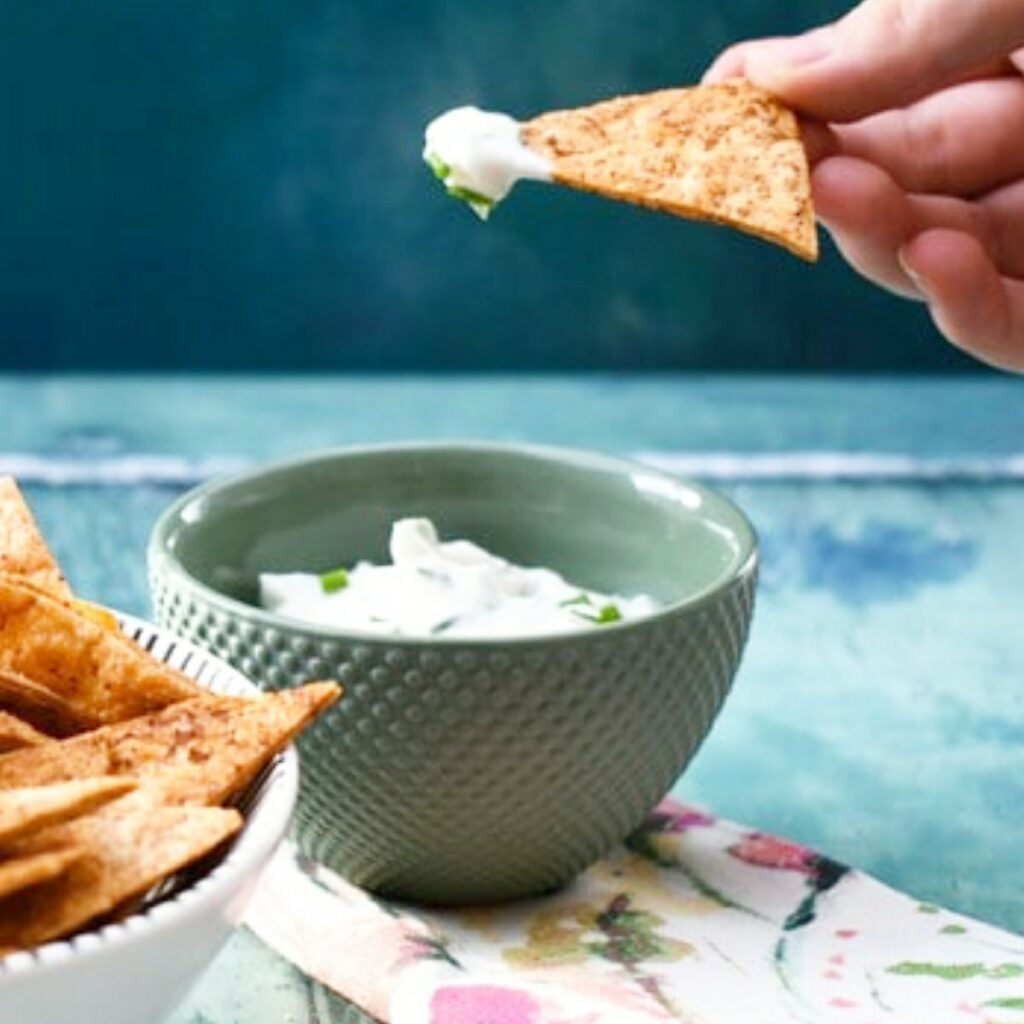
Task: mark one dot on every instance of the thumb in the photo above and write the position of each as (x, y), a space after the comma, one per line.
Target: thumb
(883, 54)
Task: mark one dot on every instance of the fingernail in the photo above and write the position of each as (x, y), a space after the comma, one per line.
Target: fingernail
(918, 281)
(773, 63)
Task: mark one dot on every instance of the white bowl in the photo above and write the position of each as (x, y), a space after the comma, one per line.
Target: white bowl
(137, 970)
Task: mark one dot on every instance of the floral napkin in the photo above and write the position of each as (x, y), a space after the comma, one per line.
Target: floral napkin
(694, 920)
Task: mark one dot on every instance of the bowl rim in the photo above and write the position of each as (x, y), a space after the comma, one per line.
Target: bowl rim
(263, 830)
(161, 560)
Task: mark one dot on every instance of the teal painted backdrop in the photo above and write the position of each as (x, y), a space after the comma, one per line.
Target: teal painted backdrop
(237, 183)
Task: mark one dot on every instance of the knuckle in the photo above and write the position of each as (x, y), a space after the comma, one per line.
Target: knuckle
(904, 27)
(903, 17)
(892, 20)
(929, 143)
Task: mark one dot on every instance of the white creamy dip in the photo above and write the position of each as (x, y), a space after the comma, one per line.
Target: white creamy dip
(444, 588)
(479, 156)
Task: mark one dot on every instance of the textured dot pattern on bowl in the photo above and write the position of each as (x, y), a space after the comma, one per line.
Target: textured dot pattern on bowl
(471, 771)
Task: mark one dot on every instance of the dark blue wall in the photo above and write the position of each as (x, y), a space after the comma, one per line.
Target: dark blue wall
(237, 184)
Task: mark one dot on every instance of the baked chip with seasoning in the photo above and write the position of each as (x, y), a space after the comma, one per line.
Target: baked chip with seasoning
(28, 809)
(16, 733)
(122, 851)
(98, 674)
(23, 872)
(728, 153)
(23, 551)
(198, 751)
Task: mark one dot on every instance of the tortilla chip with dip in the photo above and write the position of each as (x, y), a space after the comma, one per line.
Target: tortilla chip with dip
(729, 153)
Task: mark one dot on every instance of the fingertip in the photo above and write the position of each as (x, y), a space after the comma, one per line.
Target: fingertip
(728, 64)
(940, 251)
(965, 291)
(732, 62)
(852, 194)
(868, 217)
(781, 65)
(713, 75)
(948, 265)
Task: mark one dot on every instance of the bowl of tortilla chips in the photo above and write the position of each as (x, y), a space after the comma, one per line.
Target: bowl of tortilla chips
(144, 784)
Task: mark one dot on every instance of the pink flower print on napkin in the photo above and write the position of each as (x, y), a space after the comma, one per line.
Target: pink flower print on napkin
(658, 837)
(476, 1004)
(672, 816)
(765, 851)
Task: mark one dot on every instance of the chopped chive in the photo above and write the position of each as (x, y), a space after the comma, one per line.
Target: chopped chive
(468, 195)
(335, 580)
(580, 598)
(438, 166)
(482, 205)
(601, 616)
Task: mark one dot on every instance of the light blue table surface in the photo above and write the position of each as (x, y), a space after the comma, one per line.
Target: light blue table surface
(879, 712)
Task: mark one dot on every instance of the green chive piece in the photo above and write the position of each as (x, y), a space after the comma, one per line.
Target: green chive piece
(583, 606)
(482, 205)
(438, 166)
(333, 581)
(468, 195)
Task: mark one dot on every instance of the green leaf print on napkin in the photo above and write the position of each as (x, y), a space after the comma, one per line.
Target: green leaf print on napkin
(619, 933)
(956, 972)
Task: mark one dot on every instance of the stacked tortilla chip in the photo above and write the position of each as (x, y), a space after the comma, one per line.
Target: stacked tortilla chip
(114, 767)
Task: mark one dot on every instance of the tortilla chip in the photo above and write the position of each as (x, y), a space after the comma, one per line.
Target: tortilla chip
(126, 848)
(198, 751)
(22, 548)
(729, 153)
(16, 733)
(39, 707)
(100, 675)
(20, 873)
(29, 809)
(101, 616)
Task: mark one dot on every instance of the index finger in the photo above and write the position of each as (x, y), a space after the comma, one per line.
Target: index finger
(882, 54)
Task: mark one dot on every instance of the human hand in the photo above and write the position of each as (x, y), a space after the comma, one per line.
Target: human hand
(914, 124)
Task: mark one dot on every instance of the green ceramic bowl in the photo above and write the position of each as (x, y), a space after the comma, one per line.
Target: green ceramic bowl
(458, 771)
